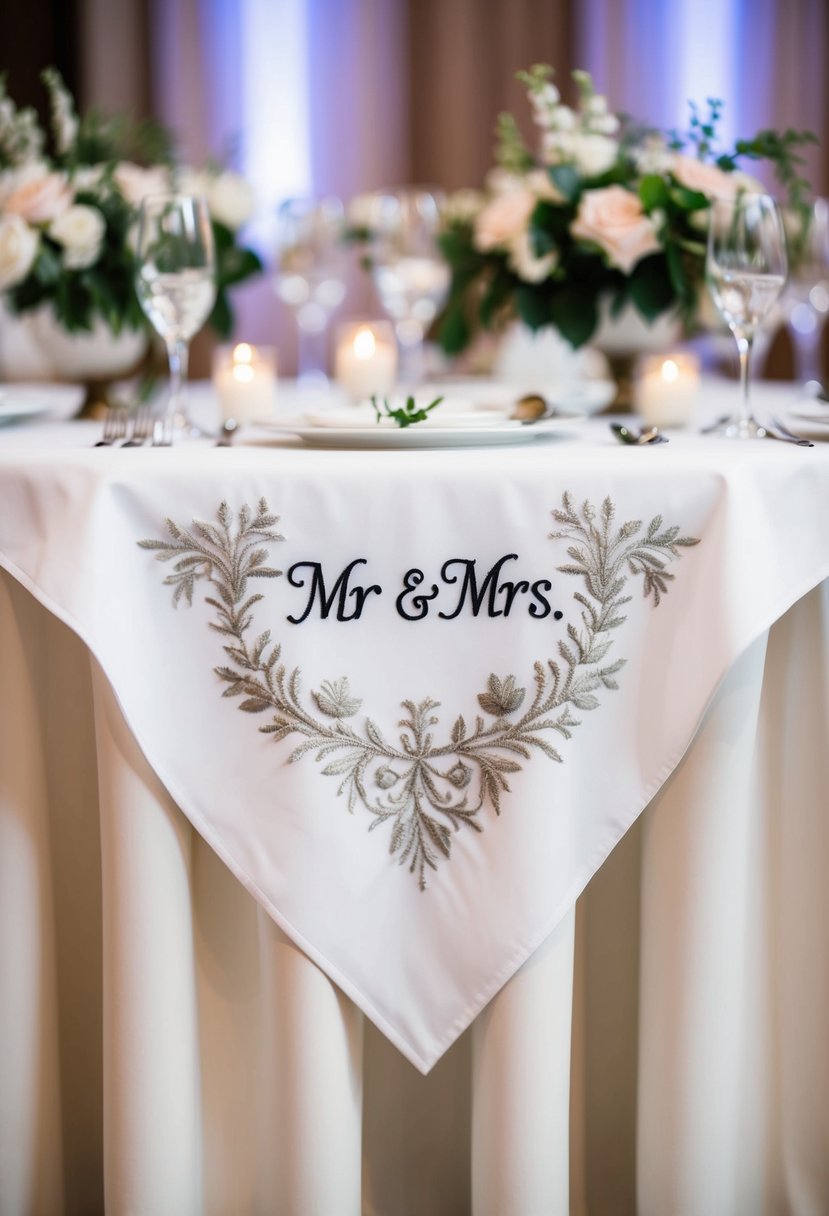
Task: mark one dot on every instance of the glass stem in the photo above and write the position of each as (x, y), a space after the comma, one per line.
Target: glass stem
(177, 355)
(744, 351)
(411, 348)
(311, 355)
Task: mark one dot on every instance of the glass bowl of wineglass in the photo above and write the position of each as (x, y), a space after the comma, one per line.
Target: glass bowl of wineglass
(176, 283)
(746, 266)
(310, 276)
(410, 275)
(806, 300)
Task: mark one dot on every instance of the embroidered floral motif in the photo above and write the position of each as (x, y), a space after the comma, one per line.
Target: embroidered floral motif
(424, 789)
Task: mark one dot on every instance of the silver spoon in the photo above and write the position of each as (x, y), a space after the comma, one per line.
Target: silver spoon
(626, 435)
(781, 431)
(532, 408)
(227, 433)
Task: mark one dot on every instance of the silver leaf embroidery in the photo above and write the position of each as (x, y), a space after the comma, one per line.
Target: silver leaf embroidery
(424, 789)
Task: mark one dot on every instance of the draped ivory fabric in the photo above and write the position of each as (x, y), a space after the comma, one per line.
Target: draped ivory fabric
(408, 736)
(231, 1077)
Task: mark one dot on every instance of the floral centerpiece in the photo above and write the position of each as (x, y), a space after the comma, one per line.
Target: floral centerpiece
(68, 215)
(604, 212)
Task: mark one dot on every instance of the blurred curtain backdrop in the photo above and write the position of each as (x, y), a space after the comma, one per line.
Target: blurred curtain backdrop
(346, 96)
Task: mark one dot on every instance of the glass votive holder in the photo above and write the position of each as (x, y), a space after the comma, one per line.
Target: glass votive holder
(666, 389)
(244, 379)
(365, 360)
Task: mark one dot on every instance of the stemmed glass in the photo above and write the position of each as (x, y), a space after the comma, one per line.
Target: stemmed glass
(310, 275)
(806, 301)
(746, 270)
(176, 283)
(410, 275)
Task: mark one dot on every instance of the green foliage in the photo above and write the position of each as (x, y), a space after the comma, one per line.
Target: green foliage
(106, 289)
(486, 284)
(405, 415)
(567, 181)
(510, 151)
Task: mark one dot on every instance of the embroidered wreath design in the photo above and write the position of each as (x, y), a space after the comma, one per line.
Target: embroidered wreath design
(423, 788)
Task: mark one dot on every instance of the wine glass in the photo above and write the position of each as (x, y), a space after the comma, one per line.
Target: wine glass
(806, 301)
(410, 275)
(176, 283)
(310, 276)
(746, 268)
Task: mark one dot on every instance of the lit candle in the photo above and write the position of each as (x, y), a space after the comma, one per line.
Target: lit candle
(667, 388)
(366, 358)
(244, 378)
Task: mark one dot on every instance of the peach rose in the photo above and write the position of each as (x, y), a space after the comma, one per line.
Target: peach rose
(40, 199)
(504, 219)
(613, 219)
(18, 249)
(694, 174)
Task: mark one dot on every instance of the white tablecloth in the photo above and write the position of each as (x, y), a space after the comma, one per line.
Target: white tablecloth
(188, 963)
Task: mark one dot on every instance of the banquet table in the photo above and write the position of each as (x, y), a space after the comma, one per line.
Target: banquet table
(415, 831)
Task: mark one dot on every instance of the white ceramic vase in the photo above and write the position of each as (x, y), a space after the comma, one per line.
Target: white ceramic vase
(35, 346)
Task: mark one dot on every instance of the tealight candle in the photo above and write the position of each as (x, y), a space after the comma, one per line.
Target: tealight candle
(244, 378)
(366, 358)
(666, 389)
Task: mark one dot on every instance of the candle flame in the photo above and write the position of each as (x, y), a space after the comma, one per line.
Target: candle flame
(243, 353)
(364, 344)
(670, 371)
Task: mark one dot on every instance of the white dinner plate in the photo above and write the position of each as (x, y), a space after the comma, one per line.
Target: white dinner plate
(21, 401)
(419, 435)
(362, 419)
(811, 411)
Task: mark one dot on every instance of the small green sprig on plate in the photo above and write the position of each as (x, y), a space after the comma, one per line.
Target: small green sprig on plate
(405, 415)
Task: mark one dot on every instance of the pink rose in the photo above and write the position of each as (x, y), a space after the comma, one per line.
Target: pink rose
(613, 219)
(40, 199)
(504, 219)
(707, 179)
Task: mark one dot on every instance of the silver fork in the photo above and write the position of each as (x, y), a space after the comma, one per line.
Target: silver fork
(142, 428)
(115, 428)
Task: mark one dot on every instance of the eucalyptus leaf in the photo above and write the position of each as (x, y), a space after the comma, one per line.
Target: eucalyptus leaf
(651, 289)
(567, 181)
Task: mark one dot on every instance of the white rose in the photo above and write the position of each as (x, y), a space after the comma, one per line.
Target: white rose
(547, 95)
(193, 182)
(80, 231)
(135, 182)
(605, 124)
(230, 200)
(563, 119)
(87, 178)
(462, 206)
(18, 249)
(501, 181)
(654, 155)
(526, 263)
(614, 220)
(593, 154)
(40, 197)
